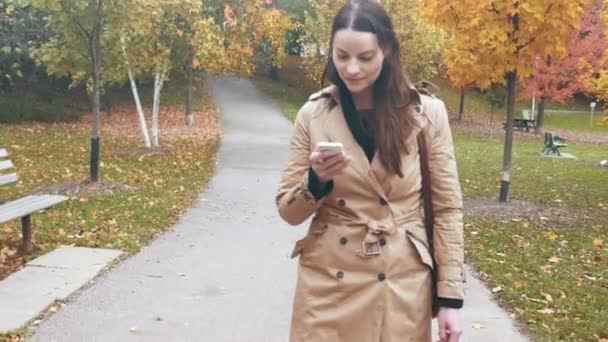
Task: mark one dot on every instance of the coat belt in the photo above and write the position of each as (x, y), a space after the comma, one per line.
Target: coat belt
(375, 229)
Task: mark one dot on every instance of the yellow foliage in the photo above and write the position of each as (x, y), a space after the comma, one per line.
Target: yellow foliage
(595, 82)
(485, 43)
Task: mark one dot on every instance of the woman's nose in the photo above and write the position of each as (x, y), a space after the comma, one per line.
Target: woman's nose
(353, 69)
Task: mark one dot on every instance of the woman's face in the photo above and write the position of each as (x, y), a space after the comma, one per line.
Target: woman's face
(358, 59)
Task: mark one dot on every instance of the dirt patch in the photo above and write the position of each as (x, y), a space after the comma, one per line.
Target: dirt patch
(543, 216)
(77, 189)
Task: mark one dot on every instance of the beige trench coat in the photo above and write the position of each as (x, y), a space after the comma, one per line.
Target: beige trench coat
(348, 291)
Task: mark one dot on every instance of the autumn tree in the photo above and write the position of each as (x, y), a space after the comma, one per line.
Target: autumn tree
(76, 51)
(595, 81)
(466, 70)
(273, 25)
(504, 37)
(316, 36)
(560, 79)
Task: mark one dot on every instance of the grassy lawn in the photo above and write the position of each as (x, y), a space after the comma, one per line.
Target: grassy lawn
(164, 185)
(475, 104)
(552, 275)
(576, 122)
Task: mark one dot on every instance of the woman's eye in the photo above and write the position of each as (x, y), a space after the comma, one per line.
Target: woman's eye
(342, 58)
(366, 58)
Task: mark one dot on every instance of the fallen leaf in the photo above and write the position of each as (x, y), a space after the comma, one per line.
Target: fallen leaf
(478, 326)
(497, 289)
(551, 236)
(546, 311)
(590, 277)
(554, 260)
(548, 297)
(598, 245)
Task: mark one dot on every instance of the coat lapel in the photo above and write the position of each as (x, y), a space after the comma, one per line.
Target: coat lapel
(337, 130)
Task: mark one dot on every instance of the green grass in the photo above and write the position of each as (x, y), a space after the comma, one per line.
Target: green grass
(554, 282)
(165, 185)
(18, 108)
(579, 183)
(576, 122)
(289, 98)
(477, 105)
(566, 301)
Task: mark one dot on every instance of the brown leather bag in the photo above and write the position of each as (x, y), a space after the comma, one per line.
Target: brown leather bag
(429, 219)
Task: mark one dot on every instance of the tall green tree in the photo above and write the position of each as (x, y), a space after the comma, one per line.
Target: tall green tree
(77, 51)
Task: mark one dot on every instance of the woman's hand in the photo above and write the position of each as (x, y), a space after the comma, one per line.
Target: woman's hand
(450, 324)
(327, 165)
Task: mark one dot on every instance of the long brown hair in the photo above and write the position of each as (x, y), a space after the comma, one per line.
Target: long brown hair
(391, 91)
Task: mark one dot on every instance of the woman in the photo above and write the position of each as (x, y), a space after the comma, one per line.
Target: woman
(365, 267)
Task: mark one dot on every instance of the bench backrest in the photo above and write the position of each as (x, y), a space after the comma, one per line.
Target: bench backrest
(7, 169)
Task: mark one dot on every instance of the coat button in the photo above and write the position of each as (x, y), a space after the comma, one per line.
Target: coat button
(340, 275)
(381, 277)
(342, 203)
(383, 202)
(382, 241)
(343, 241)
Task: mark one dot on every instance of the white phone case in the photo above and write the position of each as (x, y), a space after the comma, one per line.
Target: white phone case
(333, 147)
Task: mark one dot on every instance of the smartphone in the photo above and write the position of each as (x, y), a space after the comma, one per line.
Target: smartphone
(331, 147)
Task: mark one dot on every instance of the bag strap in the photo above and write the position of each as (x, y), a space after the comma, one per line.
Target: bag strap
(427, 196)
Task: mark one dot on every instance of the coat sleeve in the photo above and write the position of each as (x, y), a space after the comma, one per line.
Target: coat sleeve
(448, 240)
(294, 200)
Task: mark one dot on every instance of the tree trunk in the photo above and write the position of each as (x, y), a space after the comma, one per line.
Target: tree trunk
(140, 111)
(506, 166)
(540, 119)
(461, 110)
(274, 73)
(491, 122)
(189, 98)
(158, 86)
(107, 103)
(96, 59)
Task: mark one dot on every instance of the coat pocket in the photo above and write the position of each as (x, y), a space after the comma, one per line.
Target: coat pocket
(422, 248)
(316, 229)
(299, 247)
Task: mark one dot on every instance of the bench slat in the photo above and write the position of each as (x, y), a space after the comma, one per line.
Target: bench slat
(6, 165)
(8, 179)
(3, 153)
(28, 205)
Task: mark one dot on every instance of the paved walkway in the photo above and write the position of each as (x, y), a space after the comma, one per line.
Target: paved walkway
(223, 273)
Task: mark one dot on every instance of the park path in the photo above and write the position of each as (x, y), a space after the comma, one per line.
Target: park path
(223, 273)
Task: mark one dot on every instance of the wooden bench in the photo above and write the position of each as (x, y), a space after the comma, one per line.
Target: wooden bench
(553, 143)
(23, 207)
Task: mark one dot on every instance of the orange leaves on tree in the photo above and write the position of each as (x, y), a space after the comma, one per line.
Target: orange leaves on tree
(560, 79)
